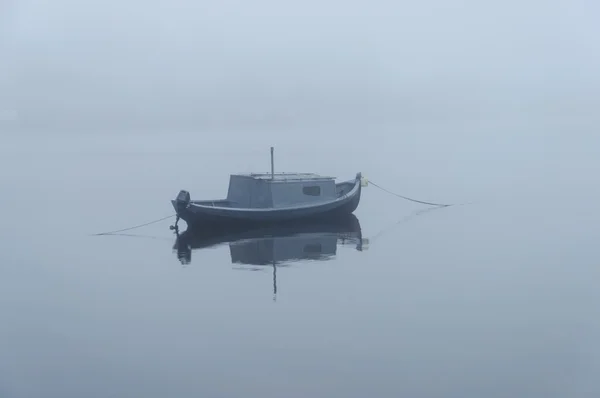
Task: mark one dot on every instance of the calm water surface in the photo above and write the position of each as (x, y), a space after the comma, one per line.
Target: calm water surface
(497, 298)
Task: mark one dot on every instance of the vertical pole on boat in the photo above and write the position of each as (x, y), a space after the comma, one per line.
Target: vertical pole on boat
(272, 165)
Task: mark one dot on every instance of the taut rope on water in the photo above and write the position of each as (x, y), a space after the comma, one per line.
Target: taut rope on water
(134, 227)
(407, 198)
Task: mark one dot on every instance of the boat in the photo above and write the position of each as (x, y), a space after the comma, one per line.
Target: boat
(271, 198)
(280, 243)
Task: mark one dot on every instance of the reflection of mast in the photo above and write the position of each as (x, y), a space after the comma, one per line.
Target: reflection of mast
(274, 281)
(275, 244)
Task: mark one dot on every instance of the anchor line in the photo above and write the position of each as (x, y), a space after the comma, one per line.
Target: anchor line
(410, 199)
(140, 236)
(136, 226)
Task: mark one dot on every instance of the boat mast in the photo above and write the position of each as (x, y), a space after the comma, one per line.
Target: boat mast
(272, 166)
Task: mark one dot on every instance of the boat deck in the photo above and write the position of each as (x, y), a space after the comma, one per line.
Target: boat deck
(286, 176)
(341, 189)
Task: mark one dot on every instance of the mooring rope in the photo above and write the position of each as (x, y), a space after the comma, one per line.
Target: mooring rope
(134, 227)
(407, 198)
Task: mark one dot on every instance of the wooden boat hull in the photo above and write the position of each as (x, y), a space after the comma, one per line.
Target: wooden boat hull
(200, 214)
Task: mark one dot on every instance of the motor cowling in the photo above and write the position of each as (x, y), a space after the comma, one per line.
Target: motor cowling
(182, 200)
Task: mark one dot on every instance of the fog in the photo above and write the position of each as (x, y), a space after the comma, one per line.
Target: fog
(108, 109)
(265, 64)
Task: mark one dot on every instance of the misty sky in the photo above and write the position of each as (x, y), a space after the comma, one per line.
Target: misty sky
(192, 63)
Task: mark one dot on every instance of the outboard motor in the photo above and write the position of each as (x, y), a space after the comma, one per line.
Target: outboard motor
(182, 200)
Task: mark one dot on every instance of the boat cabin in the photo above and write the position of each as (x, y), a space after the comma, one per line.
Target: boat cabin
(266, 190)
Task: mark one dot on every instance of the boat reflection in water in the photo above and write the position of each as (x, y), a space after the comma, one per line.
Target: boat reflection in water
(281, 243)
(276, 245)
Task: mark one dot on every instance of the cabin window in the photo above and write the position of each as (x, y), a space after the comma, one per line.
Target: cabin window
(314, 190)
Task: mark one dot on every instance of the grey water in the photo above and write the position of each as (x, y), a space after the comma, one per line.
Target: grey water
(497, 297)
(108, 109)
